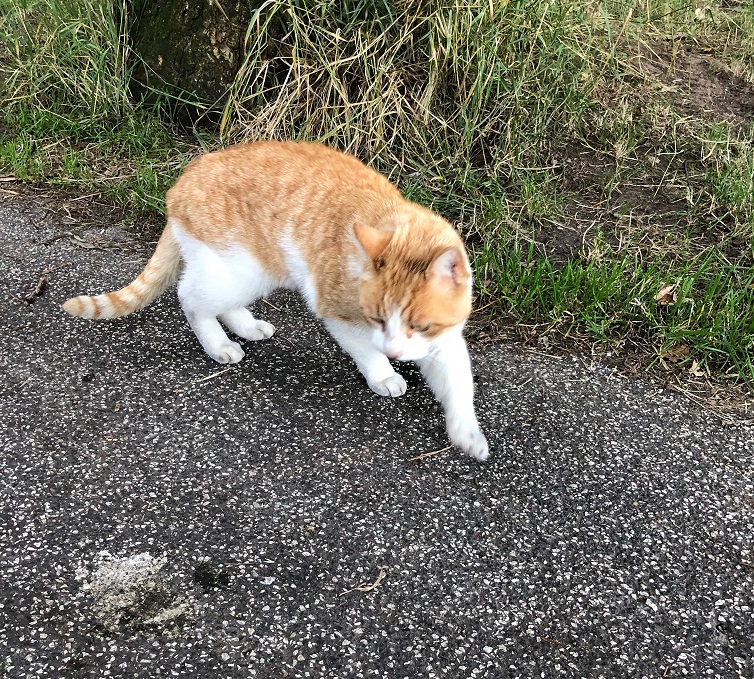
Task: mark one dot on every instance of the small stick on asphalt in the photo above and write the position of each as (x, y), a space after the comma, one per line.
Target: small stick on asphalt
(24, 383)
(58, 236)
(429, 454)
(37, 292)
(523, 384)
(552, 642)
(364, 587)
(268, 303)
(213, 375)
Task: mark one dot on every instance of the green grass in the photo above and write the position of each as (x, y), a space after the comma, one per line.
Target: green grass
(583, 180)
(613, 300)
(67, 117)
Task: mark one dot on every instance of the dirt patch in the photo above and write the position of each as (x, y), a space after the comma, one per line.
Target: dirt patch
(71, 214)
(697, 81)
(131, 595)
(600, 199)
(643, 199)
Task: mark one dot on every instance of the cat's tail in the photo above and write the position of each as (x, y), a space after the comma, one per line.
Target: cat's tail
(161, 270)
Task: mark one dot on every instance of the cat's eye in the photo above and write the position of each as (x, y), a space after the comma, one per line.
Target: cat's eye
(420, 328)
(378, 321)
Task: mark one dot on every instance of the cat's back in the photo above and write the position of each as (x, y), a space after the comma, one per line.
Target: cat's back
(272, 170)
(269, 197)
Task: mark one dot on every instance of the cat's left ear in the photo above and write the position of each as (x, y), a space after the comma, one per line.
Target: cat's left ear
(450, 267)
(373, 241)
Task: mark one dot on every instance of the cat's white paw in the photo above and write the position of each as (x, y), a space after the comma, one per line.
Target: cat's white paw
(470, 440)
(229, 352)
(258, 330)
(393, 386)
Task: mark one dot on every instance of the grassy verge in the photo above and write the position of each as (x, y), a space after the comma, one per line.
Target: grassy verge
(67, 118)
(598, 156)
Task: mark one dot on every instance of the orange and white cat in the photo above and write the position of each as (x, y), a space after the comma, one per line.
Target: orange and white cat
(388, 278)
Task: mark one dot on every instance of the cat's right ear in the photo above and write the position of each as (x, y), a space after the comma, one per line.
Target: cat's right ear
(372, 241)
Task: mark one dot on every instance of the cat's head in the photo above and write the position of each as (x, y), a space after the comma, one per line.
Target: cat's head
(415, 286)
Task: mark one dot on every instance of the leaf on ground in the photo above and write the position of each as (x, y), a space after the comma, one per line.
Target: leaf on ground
(677, 353)
(695, 370)
(668, 295)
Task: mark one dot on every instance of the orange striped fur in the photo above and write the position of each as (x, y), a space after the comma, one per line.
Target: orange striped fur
(161, 270)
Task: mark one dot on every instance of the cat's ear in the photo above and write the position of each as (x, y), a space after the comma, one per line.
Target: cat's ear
(372, 241)
(450, 268)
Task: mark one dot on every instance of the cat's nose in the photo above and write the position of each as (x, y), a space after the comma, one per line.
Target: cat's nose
(394, 354)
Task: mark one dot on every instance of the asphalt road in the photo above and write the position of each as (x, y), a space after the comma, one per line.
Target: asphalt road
(165, 516)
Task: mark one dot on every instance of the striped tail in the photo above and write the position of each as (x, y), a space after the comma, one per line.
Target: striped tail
(161, 270)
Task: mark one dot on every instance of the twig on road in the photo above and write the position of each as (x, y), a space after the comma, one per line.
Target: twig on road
(365, 587)
(429, 454)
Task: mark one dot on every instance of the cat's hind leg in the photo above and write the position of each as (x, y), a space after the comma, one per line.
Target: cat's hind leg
(241, 322)
(203, 299)
(355, 340)
(212, 337)
(219, 284)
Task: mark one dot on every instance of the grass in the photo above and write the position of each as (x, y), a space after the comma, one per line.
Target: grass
(705, 321)
(67, 117)
(572, 142)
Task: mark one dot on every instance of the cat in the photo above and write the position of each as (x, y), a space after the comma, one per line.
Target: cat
(388, 278)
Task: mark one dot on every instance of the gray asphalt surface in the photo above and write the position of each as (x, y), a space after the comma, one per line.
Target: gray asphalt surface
(283, 531)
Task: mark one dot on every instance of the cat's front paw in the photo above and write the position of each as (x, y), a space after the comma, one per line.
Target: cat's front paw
(229, 352)
(393, 386)
(470, 440)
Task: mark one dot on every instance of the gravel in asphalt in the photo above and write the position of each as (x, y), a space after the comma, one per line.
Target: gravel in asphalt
(165, 516)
